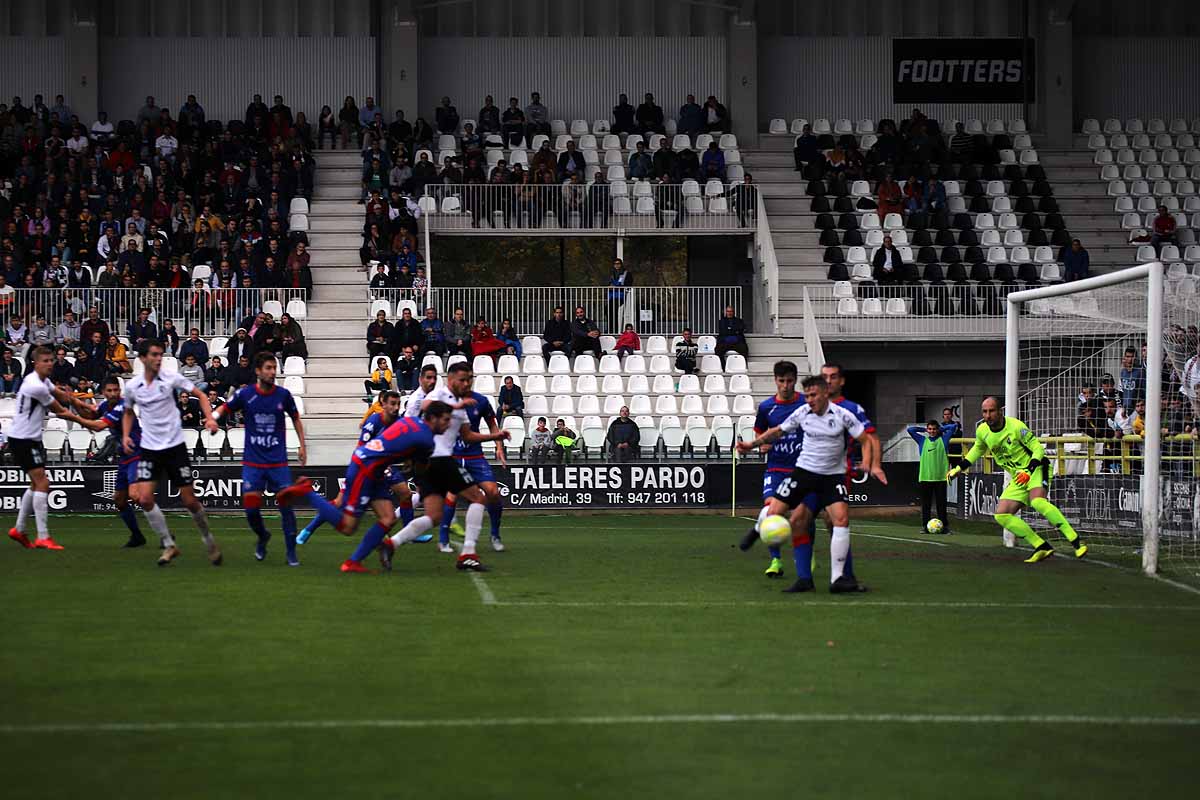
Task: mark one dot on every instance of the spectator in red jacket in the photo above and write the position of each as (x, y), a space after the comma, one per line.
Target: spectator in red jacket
(1164, 230)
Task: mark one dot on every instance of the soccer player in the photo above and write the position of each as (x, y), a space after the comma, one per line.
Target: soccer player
(1019, 453)
(36, 395)
(162, 449)
(781, 459)
(264, 461)
(820, 469)
(372, 426)
(107, 417)
(446, 475)
(470, 455)
(407, 439)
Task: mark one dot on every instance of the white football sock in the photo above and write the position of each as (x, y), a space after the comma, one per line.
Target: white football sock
(761, 516)
(201, 520)
(839, 548)
(475, 513)
(412, 530)
(158, 522)
(41, 514)
(24, 510)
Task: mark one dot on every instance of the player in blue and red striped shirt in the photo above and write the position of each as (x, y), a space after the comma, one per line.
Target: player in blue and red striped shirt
(264, 462)
(470, 455)
(406, 440)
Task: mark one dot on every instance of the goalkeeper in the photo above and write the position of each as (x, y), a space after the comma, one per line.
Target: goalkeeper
(1021, 455)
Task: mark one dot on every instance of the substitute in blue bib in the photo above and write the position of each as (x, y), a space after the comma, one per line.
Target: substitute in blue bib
(265, 407)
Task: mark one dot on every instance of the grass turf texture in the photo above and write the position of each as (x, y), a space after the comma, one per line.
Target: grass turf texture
(598, 617)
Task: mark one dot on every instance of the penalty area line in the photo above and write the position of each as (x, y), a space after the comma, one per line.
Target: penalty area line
(486, 596)
(849, 603)
(854, 532)
(611, 720)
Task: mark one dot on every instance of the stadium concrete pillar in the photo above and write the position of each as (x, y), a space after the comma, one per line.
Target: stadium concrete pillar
(742, 79)
(564, 20)
(1055, 65)
(398, 62)
(28, 20)
(170, 18)
(207, 20)
(245, 19)
(529, 17)
(133, 18)
(961, 19)
(352, 18)
(599, 19)
(313, 17)
(674, 17)
(639, 21)
(83, 61)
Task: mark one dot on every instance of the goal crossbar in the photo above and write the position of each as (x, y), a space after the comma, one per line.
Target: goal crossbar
(1153, 274)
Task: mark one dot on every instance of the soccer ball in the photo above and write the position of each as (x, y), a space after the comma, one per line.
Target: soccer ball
(774, 530)
(934, 525)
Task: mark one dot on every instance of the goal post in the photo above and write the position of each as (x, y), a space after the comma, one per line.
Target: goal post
(1063, 337)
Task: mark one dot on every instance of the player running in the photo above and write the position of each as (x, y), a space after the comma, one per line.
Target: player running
(264, 461)
(373, 425)
(162, 449)
(781, 459)
(107, 417)
(36, 395)
(470, 455)
(820, 469)
(1019, 453)
(446, 475)
(407, 439)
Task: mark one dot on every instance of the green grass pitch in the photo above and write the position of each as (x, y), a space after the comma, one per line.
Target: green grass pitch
(604, 656)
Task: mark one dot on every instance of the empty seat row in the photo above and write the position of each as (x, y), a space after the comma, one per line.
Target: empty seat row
(537, 405)
(778, 125)
(1169, 252)
(1151, 172)
(1125, 204)
(1135, 125)
(1142, 141)
(609, 364)
(694, 432)
(1147, 156)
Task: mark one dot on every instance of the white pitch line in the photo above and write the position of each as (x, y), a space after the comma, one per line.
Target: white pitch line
(485, 592)
(848, 603)
(877, 535)
(611, 720)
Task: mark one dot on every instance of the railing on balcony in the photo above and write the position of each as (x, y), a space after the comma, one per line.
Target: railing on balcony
(216, 312)
(617, 208)
(653, 310)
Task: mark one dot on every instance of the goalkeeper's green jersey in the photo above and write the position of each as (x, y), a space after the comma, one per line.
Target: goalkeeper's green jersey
(1012, 447)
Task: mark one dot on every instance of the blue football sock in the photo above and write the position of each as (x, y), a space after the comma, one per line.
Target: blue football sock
(326, 511)
(255, 518)
(370, 541)
(405, 510)
(447, 517)
(288, 519)
(129, 517)
(802, 552)
(495, 511)
(775, 552)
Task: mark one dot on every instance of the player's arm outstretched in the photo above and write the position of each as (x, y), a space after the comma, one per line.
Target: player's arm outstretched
(495, 428)
(471, 437)
(210, 422)
(978, 449)
(872, 455)
(768, 437)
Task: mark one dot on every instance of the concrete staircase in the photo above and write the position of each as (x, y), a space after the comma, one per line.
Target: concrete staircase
(337, 311)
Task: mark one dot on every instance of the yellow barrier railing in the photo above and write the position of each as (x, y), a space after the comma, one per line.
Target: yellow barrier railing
(1182, 451)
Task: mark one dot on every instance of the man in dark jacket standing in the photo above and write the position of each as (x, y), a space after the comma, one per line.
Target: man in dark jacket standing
(557, 334)
(624, 437)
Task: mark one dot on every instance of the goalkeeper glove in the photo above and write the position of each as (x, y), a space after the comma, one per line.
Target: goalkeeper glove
(954, 473)
(1021, 478)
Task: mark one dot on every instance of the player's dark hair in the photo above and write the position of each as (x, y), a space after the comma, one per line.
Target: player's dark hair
(833, 365)
(143, 348)
(458, 367)
(934, 423)
(814, 380)
(785, 368)
(1129, 351)
(109, 380)
(436, 409)
(429, 368)
(386, 395)
(262, 358)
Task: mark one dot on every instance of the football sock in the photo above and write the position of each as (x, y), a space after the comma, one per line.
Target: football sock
(158, 523)
(326, 511)
(802, 551)
(839, 549)
(255, 518)
(474, 526)
(287, 518)
(447, 517)
(1054, 517)
(370, 541)
(201, 520)
(41, 514)
(129, 517)
(412, 530)
(25, 509)
(405, 510)
(495, 511)
(1019, 527)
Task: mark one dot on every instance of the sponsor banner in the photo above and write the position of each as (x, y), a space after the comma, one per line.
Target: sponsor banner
(556, 486)
(961, 71)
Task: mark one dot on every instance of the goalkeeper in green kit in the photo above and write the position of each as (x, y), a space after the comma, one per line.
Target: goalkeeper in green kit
(1013, 447)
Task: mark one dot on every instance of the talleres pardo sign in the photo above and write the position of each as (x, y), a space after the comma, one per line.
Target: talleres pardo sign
(962, 71)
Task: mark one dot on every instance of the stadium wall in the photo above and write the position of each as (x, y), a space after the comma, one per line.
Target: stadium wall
(224, 73)
(30, 66)
(1143, 77)
(837, 76)
(578, 77)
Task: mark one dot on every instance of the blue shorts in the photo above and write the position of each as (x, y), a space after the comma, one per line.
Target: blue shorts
(478, 468)
(127, 474)
(256, 479)
(362, 488)
(772, 479)
(393, 475)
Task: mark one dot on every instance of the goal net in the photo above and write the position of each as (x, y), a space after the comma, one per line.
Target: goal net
(1095, 369)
